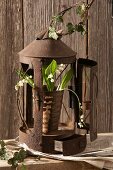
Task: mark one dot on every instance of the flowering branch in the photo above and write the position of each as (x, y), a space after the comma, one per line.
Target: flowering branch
(81, 10)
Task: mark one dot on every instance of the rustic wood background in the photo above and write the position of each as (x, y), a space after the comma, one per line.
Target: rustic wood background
(21, 20)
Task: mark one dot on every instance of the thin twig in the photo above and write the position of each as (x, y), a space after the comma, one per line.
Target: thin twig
(62, 13)
(90, 4)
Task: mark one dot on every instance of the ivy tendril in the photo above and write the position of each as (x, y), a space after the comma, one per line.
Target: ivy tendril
(82, 9)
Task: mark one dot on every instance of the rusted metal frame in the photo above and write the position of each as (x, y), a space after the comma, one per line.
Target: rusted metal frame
(27, 98)
(29, 107)
(78, 90)
(21, 114)
(38, 102)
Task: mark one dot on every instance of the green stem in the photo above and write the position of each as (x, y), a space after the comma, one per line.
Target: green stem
(76, 96)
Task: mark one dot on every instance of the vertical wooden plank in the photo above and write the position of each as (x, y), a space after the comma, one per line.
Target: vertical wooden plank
(94, 103)
(37, 15)
(11, 42)
(101, 49)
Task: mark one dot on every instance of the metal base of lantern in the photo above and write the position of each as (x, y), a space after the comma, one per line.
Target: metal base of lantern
(71, 145)
(30, 139)
(48, 140)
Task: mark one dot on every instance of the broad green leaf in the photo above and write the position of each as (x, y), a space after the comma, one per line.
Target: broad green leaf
(49, 84)
(46, 80)
(65, 80)
(51, 69)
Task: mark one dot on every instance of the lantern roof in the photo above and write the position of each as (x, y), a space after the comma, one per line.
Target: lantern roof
(47, 48)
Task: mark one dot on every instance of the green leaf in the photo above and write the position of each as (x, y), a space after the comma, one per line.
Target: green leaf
(17, 157)
(3, 152)
(51, 69)
(80, 28)
(46, 80)
(2, 143)
(80, 10)
(58, 18)
(70, 27)
(67, 77)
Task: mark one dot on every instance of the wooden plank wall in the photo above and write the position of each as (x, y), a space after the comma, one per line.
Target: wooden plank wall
(101, 49)
(21, 20)
(11, 42)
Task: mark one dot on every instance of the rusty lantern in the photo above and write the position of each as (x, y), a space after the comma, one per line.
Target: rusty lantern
(39, 52)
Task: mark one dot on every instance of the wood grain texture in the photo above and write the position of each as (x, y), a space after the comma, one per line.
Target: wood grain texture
(101, 49)
(10, 44)
(32, 163)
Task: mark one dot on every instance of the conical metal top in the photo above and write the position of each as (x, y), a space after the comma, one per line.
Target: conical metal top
(47, 49)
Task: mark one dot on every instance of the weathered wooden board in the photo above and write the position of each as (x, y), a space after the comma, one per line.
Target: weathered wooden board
(10, 43)
(44, 164)
(101, 49)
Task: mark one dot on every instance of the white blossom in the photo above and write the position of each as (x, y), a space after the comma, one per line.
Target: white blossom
(61, 68)
(80, 125)
(82, 117)
(50, 76)
(16, 88)
(24, 81)
(20, 83)
(52, 80)
(62, 65)
(83, 7)
(58, 72)
(27, 78)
